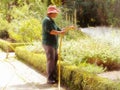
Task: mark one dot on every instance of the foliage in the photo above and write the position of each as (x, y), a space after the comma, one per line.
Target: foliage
(26, 21)
(10, 47)
(35, 47)
(60, 21)
(37, 60)
(92, 51)
(71, 75)
(30, 30)
(24, 9)
(95, 12)
(77, 79)
(56, 2)
(23, 16)
(77, 54)
(26, 30)
(3, 28)
(4, 45)
(91, 68)
(86, 11)
(112, 12)
(74, 35)
(37, 9)
(3, 24)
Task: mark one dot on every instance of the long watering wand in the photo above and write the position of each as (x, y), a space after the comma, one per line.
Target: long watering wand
(59, 54)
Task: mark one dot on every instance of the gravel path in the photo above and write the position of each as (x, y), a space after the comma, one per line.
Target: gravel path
(15, 75)
(113, 75)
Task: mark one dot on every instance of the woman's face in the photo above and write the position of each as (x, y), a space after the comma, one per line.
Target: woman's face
(54, 15)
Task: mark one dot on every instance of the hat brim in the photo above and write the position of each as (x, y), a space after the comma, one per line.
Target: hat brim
(54, 11)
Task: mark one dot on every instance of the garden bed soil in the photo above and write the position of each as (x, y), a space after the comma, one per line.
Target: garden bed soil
(109, 65)
(112, 69)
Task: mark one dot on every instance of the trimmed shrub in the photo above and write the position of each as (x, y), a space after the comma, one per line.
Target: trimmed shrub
(37, 60)
(10, 47)
(4, 45)
(77, 79)
(71, 76)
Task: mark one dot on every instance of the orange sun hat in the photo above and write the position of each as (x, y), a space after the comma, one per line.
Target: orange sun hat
(52, 9)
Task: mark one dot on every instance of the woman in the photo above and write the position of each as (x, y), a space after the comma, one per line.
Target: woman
(50, 32)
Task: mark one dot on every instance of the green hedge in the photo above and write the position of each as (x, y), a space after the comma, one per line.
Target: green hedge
(10, 47)
(37, 60)
(4, 45)
(71, 76)
(76, 79)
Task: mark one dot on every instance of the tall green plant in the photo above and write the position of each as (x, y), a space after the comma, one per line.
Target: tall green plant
(31, 30)
(113, 13)
(26, 23)
(56, 2)
(28, 31)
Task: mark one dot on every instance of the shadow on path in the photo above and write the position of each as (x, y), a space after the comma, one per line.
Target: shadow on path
(31, 86)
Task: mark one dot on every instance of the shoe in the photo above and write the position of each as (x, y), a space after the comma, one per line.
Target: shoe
(51, 82)
(56, 81)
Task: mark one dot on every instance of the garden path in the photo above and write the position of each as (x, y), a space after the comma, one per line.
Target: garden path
(15, 75)
(112, 75)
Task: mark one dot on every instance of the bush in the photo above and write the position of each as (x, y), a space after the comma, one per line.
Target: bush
(25, 19)
(95, 12)
(31, 30)
(3, 24)
(37, 60)
(10, 47)
(77, 79)
(28, 30)
(91, 51)
(71, 76)
(112, 12)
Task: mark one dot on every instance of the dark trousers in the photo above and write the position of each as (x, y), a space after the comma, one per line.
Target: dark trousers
(52, 57)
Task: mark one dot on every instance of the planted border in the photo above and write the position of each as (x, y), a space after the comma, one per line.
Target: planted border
(37, 60)
(76, 79)
(10, 47)
(71, 76)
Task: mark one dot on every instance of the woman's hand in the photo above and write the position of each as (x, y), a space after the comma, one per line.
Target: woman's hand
(54, 32)
(62, 32)
(69, 28)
